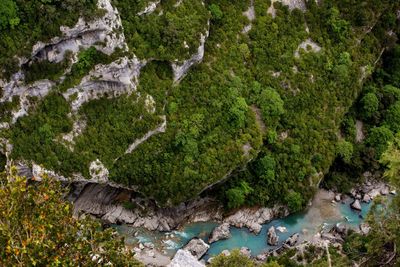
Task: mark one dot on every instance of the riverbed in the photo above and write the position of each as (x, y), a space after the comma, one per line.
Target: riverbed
(321, 215)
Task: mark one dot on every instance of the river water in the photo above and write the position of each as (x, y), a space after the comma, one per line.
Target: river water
(322, 214)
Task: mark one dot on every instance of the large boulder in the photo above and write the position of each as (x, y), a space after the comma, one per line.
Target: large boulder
(197, 247)
(356, 205)
(366, 198)
(220, 232)
(272, 237)
(184, 258)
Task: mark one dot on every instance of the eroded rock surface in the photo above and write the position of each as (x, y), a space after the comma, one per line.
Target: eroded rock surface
(220, 232)
(197, 247)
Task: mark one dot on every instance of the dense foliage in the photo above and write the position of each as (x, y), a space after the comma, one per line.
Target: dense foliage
(261, 116)
(37, 229)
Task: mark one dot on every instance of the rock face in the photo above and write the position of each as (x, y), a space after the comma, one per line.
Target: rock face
(117, 78)
(184, 258)
(85, 34)
(253, 218)
(107, 202)
(197, 247)
(272, 237)
(181, 68)
(366, 198)
(220, 232)
(356, 205)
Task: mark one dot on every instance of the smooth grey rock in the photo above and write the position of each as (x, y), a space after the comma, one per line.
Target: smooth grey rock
(356, 205)
(272, 237)
(366, 198)
(281, 229)
(220, 232)
(184, 258)
(197, 247)
(338, 197)
(226, 252)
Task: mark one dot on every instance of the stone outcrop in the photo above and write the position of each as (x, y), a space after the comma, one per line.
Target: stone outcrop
(119, 77)
(107, 202)
(292, 240)
(197, 247)
(356, 205)
(181, 68)
(254, 218)
(184, 258)
(220, 232)
(272, 237)
(103, 33)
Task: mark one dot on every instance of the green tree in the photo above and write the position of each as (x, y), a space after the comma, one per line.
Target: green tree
(378, 138)
(294, 201)
(392, 117)
(37, 229)
(8, 14)
(216, 12)
(369, 105)
(237, 259)
(271, 104)
(344, 150)
(236, 196)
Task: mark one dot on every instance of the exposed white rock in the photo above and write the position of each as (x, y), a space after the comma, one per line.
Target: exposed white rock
(160, 129)
(197, 247)
(385, 191)
(281, 229)
(338, 197)
(77, 129)
(220, 232)
(106, 30)
(181, 68)
(98, 171)
(184, 258)
(38, 89)
(150, 104)
(117, 78)
(149, 9)
(308, 46)
(272, 237)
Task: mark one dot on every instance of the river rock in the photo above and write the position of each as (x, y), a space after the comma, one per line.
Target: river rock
(254, 218)
(220, 232)
(245, 251)
(292, 240)
(385, 191)
(184, 258)
(393, 192)
(272, 237)
(366, 198)
(356, 205)
(282, 229)
(197, 247)
(338, 197)
(262, 257)
(365, 228)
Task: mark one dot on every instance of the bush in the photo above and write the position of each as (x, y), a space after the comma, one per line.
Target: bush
(369, 105)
